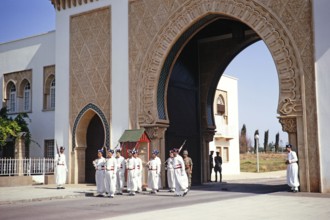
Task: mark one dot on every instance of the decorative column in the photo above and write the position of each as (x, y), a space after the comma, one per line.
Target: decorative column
(78, 165)
(156, 133)
(207, 137)
(20, 151)
(289, 125)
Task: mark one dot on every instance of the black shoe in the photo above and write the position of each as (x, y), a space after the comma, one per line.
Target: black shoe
(58, 187)
(111, 196)
(185, 192)
(62, 187)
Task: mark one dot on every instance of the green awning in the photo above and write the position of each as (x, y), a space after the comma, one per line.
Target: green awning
(132, 135)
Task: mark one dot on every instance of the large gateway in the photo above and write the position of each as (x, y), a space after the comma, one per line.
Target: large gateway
(155, 64)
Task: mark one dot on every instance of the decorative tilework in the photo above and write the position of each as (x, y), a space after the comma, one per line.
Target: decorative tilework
(103, 119)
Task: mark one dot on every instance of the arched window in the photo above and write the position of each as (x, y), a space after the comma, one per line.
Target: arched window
(221, 108)
(12, 98)
(52, 94)
(27, 97)
(49, 93)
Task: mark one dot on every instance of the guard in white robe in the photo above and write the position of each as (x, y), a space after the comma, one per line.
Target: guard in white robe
(153, 172)
(60, 169)
(99, 165)
(120, 177)
(160, 165)
(110, 174)
(131, 173)
(181, 179)
(170, 172)
(292, 169)
(139, 170)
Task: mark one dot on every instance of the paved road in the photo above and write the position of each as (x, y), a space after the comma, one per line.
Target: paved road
(265, 198)
(90, 207)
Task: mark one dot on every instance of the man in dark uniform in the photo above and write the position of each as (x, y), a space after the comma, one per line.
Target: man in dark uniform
(217, 167)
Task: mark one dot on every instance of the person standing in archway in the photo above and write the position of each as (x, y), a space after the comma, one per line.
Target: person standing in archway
(292, 169)
(218, 167)
(139, 171)
(120, 177)
(188, 166)
(99, 165)
(181, 179)
(156, 152)
(170, 172)
(60, 168)
(110, 174)
(131, 173)
(153, 172)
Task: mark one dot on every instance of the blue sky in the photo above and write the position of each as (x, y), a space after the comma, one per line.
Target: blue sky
(24, 18)
(254, 67)
(258, 91)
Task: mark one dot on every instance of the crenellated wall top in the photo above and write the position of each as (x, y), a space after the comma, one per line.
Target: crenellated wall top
(63, 4)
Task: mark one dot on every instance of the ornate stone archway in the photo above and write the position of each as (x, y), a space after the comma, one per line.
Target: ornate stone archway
(79, 140)
(284, 27)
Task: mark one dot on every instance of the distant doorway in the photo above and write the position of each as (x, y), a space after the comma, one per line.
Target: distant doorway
(95, 140)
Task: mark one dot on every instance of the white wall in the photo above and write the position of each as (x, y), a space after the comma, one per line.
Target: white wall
(119, 62)
(322, 68)
(229, 84)
(32, 53)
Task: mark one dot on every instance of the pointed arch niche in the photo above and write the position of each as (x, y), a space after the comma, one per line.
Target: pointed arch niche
(79, 140)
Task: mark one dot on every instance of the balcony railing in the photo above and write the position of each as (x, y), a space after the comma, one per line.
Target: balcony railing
(225, 131)
(26, 167)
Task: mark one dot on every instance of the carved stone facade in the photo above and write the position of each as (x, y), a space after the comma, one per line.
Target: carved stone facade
(90, 62)
(90, 81)
(284, 26)
(289, 124)
(157, 24)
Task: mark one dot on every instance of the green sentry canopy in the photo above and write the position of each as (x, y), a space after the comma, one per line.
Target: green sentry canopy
(132, 135)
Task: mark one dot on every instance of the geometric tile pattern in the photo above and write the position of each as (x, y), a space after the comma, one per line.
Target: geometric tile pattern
(90, 62)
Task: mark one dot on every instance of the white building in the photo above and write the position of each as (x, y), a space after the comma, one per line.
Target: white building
(226, 138)
(28, 85)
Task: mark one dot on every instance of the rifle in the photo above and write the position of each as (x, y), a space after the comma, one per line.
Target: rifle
(106, 151)
(182, 145)
(116, 148)
(58, 151)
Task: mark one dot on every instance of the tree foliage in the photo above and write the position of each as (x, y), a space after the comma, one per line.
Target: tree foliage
(266, 140)
(277, 139)
(10, 128)
(243, 141)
